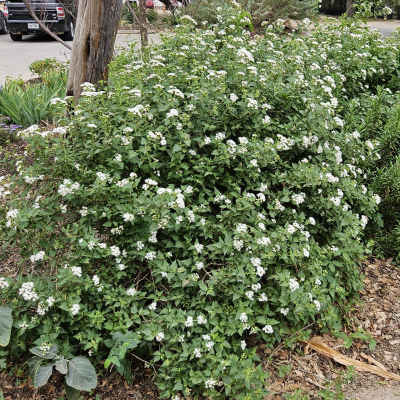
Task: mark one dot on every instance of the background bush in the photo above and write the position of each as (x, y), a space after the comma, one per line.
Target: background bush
(28, 103)
(215, 190)
(261, 10)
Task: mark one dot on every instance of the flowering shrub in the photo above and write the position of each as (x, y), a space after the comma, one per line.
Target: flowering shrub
(210, 193)
(7, 131)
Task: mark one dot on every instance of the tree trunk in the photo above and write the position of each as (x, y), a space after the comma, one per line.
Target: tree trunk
(95, 33)
(350, 8)
(144, 37)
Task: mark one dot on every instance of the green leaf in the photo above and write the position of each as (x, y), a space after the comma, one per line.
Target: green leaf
(34, 364)
(81, 374)
(347, 342)
(5, 325)
(43, 374)
(71, 393)
(48, 355)
(372, 344)
(61, 366)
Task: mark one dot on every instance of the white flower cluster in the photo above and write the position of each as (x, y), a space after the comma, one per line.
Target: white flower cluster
(3, 283)
(27, 291)
(37, 257)
(75, 309)
(68, 187)
(157, 136)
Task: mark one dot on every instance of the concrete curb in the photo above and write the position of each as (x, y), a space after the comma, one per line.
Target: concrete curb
(134, 32)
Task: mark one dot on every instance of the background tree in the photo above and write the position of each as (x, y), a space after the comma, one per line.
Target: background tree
(96, 30)
(350, 8)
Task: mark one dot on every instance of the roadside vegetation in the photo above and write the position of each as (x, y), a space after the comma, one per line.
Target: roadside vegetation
(220, 186)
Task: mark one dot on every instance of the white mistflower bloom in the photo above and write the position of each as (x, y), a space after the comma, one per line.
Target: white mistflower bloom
(293, 285)
(27, 291)
(268, 329)
(131, 292)
(243, 317)
(115, 251)
(260, 271)
(210, 383)
(77, 271)
(245, 54)
(152, 306)
(23, 325)
(189, 322)
(250, 295)
(264, 241)
(263, 297)
(376, 198)
(266, 119)
(172, 113)
(75, 309)
(197, 353)
(199, 247)
(238, 244)
(209, 345)
(241, 228)
(284, 311)
(37, 257)
(199, 265)
(150, 255)
(3, 283)
(160, 336)
(201, 320)
(128, 217)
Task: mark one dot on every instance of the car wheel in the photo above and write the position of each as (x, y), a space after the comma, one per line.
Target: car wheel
(69, 36)
(3, 28)
(15, 38)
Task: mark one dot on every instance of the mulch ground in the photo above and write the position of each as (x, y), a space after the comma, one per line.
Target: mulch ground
(378, 313)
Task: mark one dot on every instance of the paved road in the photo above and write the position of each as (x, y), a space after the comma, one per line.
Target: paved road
(15, 57)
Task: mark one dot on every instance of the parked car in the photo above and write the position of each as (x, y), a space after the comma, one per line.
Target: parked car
(3, 28)
(149, 3)
(20, 22)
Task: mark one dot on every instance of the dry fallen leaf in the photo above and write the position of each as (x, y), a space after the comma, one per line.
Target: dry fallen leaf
(325, 350)
(373, 361)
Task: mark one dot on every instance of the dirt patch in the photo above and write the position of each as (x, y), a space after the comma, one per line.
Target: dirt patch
(378, 314)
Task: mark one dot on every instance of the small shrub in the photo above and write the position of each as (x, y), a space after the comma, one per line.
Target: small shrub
(29, 103)
(152, 16)
(48, 65)
(8, 131)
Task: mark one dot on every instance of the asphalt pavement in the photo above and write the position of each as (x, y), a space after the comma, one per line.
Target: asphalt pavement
(15, 57)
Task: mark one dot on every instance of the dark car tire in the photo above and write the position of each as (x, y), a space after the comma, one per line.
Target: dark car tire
(69, 36)
(3, 28)
(15, 38)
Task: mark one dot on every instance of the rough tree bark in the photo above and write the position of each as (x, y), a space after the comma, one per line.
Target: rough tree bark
(96, 29)
(144, 37)
(350, 8)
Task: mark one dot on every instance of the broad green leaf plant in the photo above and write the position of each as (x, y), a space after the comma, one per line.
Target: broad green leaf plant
(210, 193)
